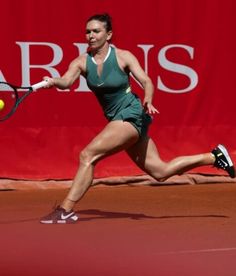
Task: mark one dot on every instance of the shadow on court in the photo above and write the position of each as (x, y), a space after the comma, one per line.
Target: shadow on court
(95, 214)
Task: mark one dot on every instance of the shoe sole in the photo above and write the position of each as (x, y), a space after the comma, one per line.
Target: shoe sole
(58, 222)
(53, 222)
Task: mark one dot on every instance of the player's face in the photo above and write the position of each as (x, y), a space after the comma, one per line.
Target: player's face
(96, 34)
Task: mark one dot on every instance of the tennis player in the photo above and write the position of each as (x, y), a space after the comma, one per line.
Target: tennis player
(107, 71)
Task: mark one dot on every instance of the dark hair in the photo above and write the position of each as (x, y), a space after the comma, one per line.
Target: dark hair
(104, 18)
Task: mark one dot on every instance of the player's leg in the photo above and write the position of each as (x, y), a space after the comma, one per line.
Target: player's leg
(145, 154)
(115, 137)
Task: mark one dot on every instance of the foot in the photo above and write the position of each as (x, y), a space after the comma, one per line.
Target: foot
(59, 215)
(223, 160)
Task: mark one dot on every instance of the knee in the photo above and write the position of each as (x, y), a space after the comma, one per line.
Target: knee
(161, 174)
(160, 177)
(87, 158)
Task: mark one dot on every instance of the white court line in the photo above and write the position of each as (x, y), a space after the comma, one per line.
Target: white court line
(210, 250)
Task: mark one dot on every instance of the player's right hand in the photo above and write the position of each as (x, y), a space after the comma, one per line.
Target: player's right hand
(50, 82)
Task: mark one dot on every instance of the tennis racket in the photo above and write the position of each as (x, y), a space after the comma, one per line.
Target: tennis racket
(11, 96)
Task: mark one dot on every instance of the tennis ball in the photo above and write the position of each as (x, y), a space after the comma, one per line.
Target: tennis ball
(2, 104)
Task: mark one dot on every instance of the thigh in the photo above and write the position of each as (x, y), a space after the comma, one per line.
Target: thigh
(145, 154)
(115, 137)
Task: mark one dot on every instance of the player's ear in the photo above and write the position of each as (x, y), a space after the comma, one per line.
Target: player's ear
(109, 35)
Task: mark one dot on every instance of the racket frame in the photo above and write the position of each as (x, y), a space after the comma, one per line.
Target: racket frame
(18, 99)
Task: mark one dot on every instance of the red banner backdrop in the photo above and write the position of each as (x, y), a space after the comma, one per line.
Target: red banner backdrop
(186, 46)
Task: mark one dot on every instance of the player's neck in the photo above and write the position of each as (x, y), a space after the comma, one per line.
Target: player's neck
(101, 54)
(101, 51)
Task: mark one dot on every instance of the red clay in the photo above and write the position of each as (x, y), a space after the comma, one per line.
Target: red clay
(165, 230)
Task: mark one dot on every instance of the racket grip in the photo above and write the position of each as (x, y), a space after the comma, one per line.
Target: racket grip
(39, 85)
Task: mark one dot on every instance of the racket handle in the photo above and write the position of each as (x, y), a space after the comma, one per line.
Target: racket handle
(39, 85)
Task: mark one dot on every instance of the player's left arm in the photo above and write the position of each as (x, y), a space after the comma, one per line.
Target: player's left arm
(137, 71)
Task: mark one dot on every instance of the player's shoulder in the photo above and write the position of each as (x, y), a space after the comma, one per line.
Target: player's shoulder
(123, 52)
(79, 61)
(124, 55)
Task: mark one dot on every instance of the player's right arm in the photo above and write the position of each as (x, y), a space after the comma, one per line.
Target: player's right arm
(75, 68)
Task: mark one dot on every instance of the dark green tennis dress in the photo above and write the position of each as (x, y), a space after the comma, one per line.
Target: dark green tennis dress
(112, 89)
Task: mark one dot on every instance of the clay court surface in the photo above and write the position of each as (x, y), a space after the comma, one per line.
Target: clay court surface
(171, 230)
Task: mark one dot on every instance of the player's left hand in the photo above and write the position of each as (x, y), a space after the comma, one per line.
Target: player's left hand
(150, 109)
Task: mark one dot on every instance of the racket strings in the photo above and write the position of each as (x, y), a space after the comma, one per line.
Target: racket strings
(8, 98)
